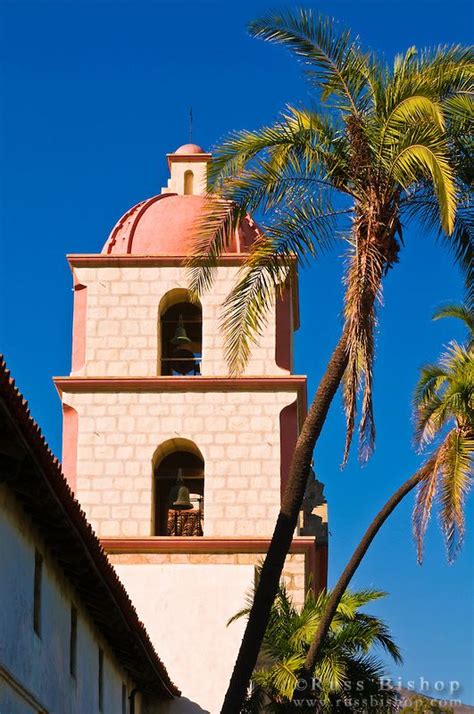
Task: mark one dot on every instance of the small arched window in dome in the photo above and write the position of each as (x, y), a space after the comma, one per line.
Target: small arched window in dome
(188, 183)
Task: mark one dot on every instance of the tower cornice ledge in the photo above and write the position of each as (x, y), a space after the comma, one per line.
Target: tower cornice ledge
(284, 383)
(195, 383)
(201, 544)
(135, 549)
(100, 260)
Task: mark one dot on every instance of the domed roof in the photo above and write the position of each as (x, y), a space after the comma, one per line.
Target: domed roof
(189, 149)
(165, 225)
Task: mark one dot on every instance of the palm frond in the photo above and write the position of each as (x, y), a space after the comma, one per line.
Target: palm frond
(368, 695)
(423, 205)
(455, 482)
(247, 307)
(427, 402)
(444, 392)
(331, 672)
(215, 229)
(460, 109)
(255, 169)
(294, 237)
(445, 396)
(241, 146)
(400, 143)
(461, 244)
(332, 59)
(445, 71)
(284, 674)
(412, 109)
(363, 290)
(353, 600)
(424, 501)
(460, 312)
(372, 630)
(419, 160)
(432, 378)
(346, 650)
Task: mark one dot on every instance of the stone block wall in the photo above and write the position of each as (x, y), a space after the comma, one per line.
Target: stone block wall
(122, 322)
(237, 433)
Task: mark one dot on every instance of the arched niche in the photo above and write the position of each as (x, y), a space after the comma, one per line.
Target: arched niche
(179, 334)
(172, 459)
(188, 183)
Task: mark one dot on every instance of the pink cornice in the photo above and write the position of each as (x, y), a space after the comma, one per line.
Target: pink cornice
(316, 554)
(181, 384)
(204, 544)
(291, 383)
(102, 260)
(188, 158)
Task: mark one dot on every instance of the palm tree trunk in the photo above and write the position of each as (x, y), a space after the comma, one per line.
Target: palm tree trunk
(347, 574)
(284, 529)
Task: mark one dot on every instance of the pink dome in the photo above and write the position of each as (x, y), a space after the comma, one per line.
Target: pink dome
(189, 149)
(165, 225)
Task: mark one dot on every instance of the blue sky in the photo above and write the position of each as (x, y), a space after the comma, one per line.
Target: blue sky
(93, 96)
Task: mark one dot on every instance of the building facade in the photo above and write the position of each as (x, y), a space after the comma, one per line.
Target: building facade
(70, 639)
(179, 467)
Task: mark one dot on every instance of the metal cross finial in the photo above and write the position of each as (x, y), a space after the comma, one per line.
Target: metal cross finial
(190, 125)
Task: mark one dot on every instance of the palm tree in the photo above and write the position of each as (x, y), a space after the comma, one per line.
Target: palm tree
(465, 313)
(348, 674)
(444, 419)
(445, 395)
(389, 145)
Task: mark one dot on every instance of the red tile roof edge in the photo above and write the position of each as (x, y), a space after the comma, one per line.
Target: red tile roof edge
(51, 470)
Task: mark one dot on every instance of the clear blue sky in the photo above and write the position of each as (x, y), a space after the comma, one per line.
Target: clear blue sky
(93, 95)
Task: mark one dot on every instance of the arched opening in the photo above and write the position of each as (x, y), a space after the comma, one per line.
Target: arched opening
(188, 183)
(180, 335)
(178, 476)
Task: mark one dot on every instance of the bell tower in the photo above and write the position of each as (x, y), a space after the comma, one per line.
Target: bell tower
(179, 467)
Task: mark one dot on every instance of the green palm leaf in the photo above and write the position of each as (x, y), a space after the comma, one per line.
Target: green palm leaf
(415, 108)
(332, 58)
(348, 652)
(417, 161)
(460, 312)
(444, 399)
(455, 482)
(399, 149)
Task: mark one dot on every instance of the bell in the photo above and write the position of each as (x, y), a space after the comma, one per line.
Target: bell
(180, 336)
(183, 502)
(180, 494)
(183, 361)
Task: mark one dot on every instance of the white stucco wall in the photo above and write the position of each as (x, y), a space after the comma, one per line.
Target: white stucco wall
(185, 610)
(41, 665)
(122, 328)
